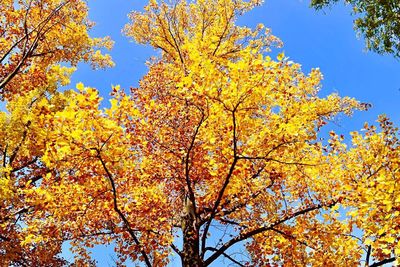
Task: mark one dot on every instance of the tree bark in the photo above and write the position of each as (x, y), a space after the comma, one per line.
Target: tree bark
(191, 241)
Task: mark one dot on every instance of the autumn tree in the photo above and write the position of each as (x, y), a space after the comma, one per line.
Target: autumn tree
(40, 43)
(37, 35)
(372, 190)
(378, 21)
(217, 151)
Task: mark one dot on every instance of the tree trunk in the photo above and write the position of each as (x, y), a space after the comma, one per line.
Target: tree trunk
(191, 249)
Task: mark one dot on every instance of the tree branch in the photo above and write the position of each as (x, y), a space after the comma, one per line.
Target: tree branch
(227, 256)
(246, 235)
(25, 165)
(177, 251)
(367, 257)
(224, 186)
(119, 212)
(15, 151)
(187, 165)
(293, 237)
(382, 262)
(28, 53)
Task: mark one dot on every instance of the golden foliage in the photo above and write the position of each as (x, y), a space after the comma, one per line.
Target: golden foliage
(217, 136)
(36, 35)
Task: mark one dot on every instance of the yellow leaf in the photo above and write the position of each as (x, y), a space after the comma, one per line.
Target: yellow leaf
(281, 56)
(80, 86)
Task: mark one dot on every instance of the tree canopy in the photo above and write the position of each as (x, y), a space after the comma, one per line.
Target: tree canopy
(217, 151)
(378, 21)
(37, 35)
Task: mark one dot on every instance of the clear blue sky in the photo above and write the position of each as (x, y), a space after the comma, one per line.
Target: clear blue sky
(323, 39)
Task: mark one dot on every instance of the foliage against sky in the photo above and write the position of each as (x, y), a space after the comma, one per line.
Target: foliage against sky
(36, 35)
(218, 135)
(378, 21)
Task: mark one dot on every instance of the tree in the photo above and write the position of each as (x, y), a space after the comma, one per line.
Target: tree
(40, 43)
(378, 21)
(217, 151)
(37, 35)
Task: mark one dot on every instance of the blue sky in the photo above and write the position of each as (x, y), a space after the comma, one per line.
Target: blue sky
(323, 39)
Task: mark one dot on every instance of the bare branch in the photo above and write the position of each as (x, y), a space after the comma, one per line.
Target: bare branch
(383, 262)
(367, 257)
(227, 256)
(177, 251)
